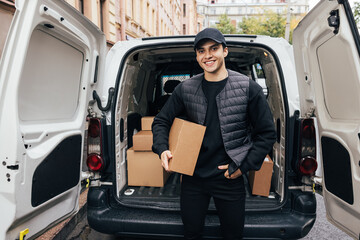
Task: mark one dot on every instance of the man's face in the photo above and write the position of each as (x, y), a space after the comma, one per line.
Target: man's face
(210, 55)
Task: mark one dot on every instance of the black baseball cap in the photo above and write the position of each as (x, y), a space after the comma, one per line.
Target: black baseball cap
(209, 33)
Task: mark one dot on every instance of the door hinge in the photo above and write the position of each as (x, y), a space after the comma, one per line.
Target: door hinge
(334, 20)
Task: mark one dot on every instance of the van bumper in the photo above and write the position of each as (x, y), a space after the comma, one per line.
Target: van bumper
(106, 215)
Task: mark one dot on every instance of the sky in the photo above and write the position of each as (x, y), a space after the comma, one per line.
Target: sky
(312, 3)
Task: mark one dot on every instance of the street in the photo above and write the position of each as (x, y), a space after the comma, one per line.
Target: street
(321, 230)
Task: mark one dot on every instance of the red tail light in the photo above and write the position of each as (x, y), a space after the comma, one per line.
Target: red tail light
(307, 162)
(308, 165)
(94, 128)
(94, 160)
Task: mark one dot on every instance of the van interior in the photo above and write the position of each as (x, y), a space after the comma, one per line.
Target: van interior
(149, 75)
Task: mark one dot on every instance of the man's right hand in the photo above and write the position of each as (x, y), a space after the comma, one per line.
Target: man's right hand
(165, 158)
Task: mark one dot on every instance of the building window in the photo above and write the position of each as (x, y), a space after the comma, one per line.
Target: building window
(184, 29)
(148, 17)
(102, 14)
(154, 22)
(80, 6)
(184, 10)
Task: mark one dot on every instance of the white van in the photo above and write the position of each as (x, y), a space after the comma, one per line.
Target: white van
(55, 79)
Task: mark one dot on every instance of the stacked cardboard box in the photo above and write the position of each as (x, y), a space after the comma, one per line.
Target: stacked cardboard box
(260, 181)
(144, 166)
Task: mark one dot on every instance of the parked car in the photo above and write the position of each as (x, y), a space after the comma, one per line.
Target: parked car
(55, 81)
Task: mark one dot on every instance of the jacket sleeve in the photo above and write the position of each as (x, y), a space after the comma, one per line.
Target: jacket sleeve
(163, 120)
(263, 129)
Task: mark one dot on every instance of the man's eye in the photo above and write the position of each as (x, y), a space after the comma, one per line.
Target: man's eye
(214, 48)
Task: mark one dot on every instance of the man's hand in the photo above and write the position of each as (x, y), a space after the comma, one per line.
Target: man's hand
(235, 175)
(165, 158)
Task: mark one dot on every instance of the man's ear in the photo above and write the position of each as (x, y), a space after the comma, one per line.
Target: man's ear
(226, 51)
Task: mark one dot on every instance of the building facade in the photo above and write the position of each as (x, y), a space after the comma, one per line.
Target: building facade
(7, 10)
(239, 9)
(190, 24)
(145, 18)
(125, 19)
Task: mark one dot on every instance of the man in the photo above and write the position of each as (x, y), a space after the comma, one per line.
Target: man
(239, 134)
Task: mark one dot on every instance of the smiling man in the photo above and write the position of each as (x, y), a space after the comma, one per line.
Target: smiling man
(239, 134)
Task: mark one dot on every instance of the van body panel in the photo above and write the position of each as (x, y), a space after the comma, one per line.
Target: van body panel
(46, 77)
(326, 45)
(53, 61)
(108, 216)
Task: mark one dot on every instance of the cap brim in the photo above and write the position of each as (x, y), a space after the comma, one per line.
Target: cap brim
(200, 40)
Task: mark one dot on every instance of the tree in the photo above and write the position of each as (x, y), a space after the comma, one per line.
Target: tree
(274, 25)
(270, 24)
(251, 25)
(356, 11)
(224, 25)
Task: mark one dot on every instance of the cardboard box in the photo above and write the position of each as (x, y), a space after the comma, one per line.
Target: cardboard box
(260, 181)
(185, 139)
(146, 123)
(144, 169)
(142, 141)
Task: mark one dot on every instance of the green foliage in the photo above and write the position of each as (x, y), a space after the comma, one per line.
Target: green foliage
(251, 25)
(225, 25)
(274, 25)
(270, 24)
(356, 11)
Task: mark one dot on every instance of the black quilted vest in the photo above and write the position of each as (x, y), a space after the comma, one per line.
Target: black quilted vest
(232, 104)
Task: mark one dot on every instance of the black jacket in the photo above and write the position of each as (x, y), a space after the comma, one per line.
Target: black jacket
(246, 122)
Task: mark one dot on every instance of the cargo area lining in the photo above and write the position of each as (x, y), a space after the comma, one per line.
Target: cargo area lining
(168, 197)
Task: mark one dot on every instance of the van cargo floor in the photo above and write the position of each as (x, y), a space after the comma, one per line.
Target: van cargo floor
(168, 197)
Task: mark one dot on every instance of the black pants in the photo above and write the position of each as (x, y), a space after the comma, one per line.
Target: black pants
(229, 199)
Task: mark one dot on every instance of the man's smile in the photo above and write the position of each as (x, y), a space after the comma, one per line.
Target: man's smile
(209, 63)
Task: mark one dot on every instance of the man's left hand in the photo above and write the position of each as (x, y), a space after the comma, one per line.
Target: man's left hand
(235, 175)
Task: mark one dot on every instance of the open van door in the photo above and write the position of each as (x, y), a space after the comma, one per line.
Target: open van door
(47, 73)
(327, 57)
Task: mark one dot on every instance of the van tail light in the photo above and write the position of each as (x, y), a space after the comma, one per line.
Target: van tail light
(94, 162)
(307, 163)
(94, 159)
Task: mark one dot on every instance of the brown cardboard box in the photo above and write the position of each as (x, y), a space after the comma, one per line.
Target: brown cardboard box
(142, 141)
(144, 169)
(185, 139)
(146, 123)
(260, 181)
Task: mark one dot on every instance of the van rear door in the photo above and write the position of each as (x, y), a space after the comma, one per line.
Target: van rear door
(327, 56)
(46, 76)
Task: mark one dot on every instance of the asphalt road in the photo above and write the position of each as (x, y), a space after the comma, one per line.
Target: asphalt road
(321, 230)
